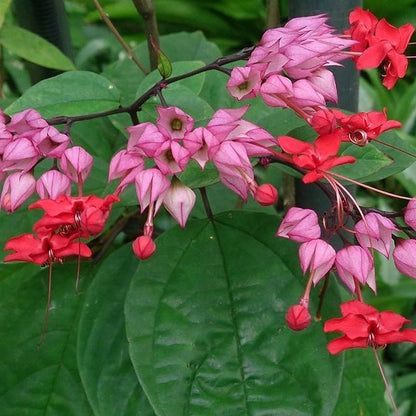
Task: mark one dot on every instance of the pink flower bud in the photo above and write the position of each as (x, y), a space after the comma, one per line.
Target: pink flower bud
(19, 154)
(144, 247)
(298, 318)
(375, 231)
(179, 201)
(404, 257)
(299, 225)
(51, 142)
(317, 255)
(151, 186)
(355, 262)
(53, 183)
(17, 188)
(26, 120)
(76, 163)
(410, 213)
(266, 194)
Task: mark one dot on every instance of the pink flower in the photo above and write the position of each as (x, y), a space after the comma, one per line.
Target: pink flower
(17, 188)
(404, 257)
(179, 201)
(355, 263)
(125, 165)
(53, 183)
(19, 154)
(50, 142)
(375, 231)
(146, 139)
(173, 160)
(76, 163)
(299, 225)
(318, 256)
(198, 142)
(144, 247)
(25, 121)
(244, 82)
(298, 317)
(173, 123)
(151, 187)
(364, 326)
(410, 213)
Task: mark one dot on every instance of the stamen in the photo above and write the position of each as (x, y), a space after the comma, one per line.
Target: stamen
(358, 137)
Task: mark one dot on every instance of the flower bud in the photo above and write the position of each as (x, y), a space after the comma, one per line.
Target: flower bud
(403, 256)
(17, 188)
(298, 318)
(266, 194)
(300, 225)
(144, 247)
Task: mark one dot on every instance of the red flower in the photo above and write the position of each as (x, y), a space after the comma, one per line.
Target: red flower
(317, 158)
(380, 43)
(363, 326)
(357, 128)
(44, 250)
(67, 214)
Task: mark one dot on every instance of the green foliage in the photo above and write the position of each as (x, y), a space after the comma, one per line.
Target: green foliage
(33, 48)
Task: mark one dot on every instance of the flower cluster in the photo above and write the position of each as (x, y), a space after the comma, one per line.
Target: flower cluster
(228, 141)
(26, 139)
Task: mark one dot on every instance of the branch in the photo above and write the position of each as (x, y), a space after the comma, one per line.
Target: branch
(146, 8)
(115, 32)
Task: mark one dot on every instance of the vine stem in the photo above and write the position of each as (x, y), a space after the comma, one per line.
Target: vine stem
(386, 383)
(154, 90)
(205, 201)
(146, 9)
(117, 35)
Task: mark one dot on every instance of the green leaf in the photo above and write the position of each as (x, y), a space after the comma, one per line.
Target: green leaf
(4, 7)
(362, 386)
(379, 160)
(33, 48)
(70, 94)
(205, 320)
(103, 359)
(39, 380)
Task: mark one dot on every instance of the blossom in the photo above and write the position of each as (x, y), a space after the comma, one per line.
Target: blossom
(47, 249)
(299, 224)
(74, 215)
(19, 154)
(316, 158)
(298, 317)
(17, 188)
(173, 123)
(76, 163)
(318, 256)
(144, 247)
(266, 194)
(355, 263)
(146, 139)
(53, 183)
(410, 213)
(244, 82)
(151, 187)
(25, 121)
(375, 231)
(404, 258)
(179, 201)
(363, 326)
(50, 142)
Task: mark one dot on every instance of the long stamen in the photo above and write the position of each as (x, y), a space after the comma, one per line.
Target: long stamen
(383, 376)
(370, 187)
(78, 266)
(394, 147)
(48, 304)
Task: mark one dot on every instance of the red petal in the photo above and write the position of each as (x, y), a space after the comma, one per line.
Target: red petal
(293, 146)
(340, 344)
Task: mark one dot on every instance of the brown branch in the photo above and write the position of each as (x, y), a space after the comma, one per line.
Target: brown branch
(147, 11)
(122, 42)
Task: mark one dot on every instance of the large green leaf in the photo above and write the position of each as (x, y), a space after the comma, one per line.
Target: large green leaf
(70, 94)
(205, 320)
(104, 364)
(33, 48)
(4, 7)
(40, 380)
